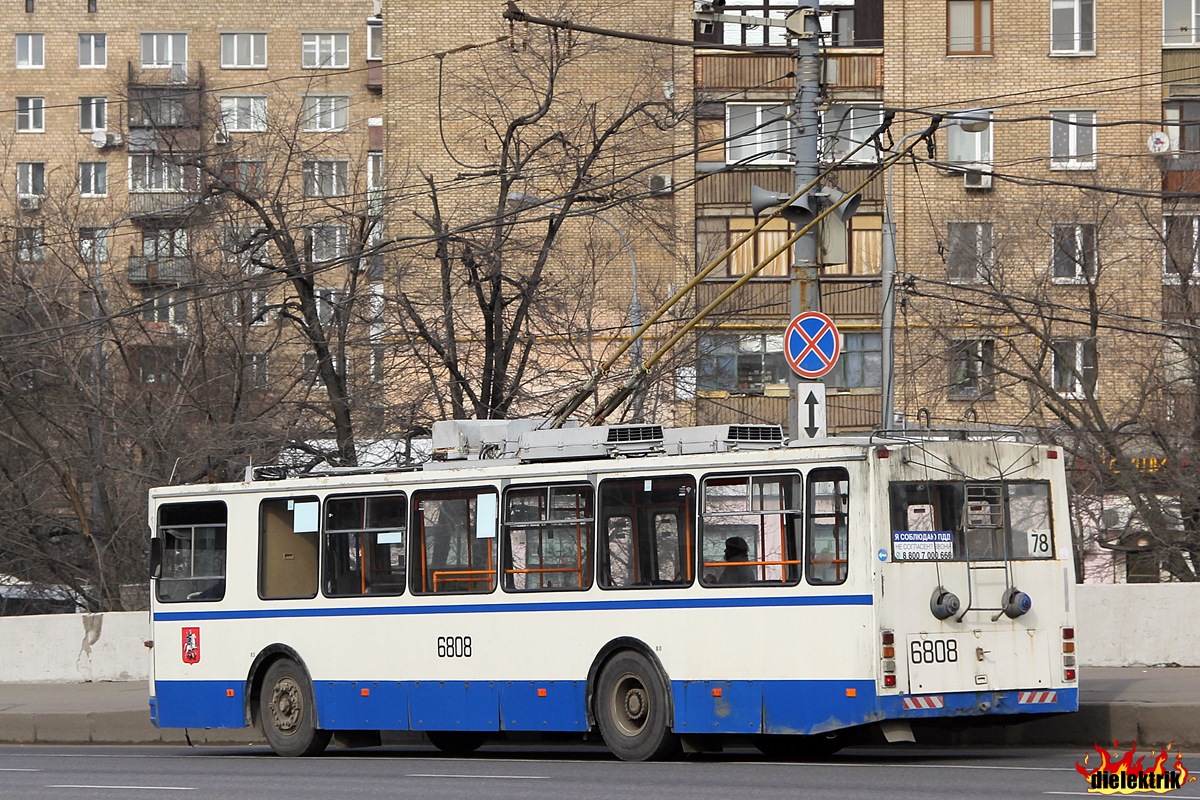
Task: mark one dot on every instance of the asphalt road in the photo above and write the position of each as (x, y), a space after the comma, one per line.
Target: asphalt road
(535, 772)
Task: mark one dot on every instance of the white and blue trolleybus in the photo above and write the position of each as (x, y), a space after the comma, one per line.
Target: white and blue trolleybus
(652, 586)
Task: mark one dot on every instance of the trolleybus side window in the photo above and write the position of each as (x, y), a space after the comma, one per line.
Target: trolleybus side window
(646, 529)
(828, 526)
(188, 554)
(364, 545)
(454, 544)
(750, 530)
(980, 521)
(287, 547)
(547, 537)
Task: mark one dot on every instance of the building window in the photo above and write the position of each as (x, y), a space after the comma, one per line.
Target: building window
(245, 176)
(714, 235)
(164, 49)
(1072, 140)
(254, 371)
(845, 127)
(964, 147)
(243, 50)
(325, 50)
(158, 365)
(326, 178)
(374, 39)
(91, 6)
(1179, 22)
(1181, 120)
(244, 114)
(31, 245)
(747, 364)
(375, 184)
(163, 243)
(164, 305)
(93, 50)
(31, 51)
(1181, 256)
(328, 242)
(865, 243)
(837, 26)
(31, 178)
(858, 367)
(969, 27)
(1074, 252)
(93, 179)
(971, 369)
(326, 113)
(93, 245)
(757, 133)
(1074, 367)
(1072, 27)
(970, 252)
(93, 113)
(151, 173)
(31, 114)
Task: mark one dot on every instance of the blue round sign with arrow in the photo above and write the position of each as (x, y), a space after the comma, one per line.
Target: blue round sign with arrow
(812, 344)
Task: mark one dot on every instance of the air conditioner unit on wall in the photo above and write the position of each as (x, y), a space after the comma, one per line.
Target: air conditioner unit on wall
(29, 203)
(221, 137)
(660, 184)
(977, 179)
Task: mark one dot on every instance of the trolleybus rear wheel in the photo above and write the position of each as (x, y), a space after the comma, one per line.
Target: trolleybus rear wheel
(456, 743)
(288, 713)
(631, 709)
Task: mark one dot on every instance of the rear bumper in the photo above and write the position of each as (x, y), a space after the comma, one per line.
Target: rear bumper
(971, 704)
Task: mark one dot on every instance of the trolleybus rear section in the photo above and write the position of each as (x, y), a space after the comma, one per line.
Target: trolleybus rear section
(638, 583)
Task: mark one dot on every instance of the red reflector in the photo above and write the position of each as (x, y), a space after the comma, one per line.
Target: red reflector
(1052, 454)
(1069, 674)
(365, 692)
(882, 452)
(230, 693)
(889, 680)
(717, 692)
(1068, 633)
(889, 637)
(541, 692)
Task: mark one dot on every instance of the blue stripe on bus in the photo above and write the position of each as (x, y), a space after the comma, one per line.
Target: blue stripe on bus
(194, 614)
(731, 707)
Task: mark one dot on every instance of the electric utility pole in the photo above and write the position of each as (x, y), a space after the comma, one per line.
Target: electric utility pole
(804, 30)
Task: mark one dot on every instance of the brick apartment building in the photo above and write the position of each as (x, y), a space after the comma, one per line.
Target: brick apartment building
(140, 137)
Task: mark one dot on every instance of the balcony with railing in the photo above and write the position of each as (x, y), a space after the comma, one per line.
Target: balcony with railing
(160, 269)
(165, 97)
(163, 204)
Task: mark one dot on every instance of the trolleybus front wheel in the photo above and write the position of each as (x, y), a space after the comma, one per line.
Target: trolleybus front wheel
(288, 713)
(631, 709)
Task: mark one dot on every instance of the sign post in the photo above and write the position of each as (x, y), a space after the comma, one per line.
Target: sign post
(811, 346)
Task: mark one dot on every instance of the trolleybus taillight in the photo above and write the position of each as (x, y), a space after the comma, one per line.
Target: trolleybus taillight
(1068, 654)
(888, 640)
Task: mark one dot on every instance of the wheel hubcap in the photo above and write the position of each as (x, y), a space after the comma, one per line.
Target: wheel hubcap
(631, 703)
(286, 706)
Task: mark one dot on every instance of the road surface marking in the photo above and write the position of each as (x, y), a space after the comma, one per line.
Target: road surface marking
(482, 777)
(100, 786)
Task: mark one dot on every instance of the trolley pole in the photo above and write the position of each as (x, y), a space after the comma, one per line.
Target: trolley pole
(804, 30)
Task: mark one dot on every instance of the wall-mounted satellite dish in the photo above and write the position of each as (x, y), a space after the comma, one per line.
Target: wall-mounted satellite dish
(1158, 142)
